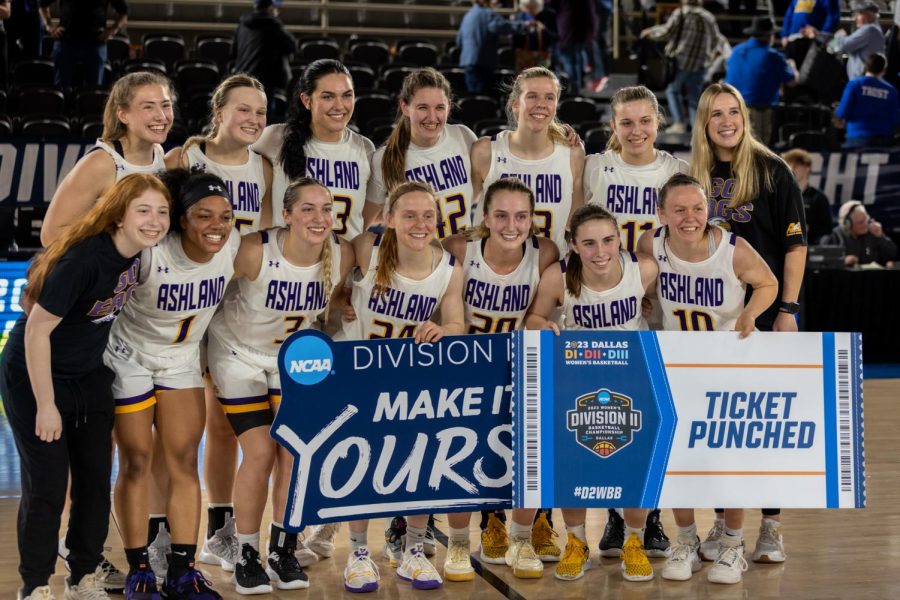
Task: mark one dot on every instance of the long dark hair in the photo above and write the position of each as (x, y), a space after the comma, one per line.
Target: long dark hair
(298, 127)
(574, 267)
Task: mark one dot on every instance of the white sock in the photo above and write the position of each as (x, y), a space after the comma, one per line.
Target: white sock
(733, 537)
(459, 535)
(520, 532)
(577, 531)
(415, 535)
(358, 540)
(249, 538)
(639, 531)
(773, 522)
(688, 534)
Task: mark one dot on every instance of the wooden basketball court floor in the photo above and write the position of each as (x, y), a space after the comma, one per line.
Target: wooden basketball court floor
(832, 554)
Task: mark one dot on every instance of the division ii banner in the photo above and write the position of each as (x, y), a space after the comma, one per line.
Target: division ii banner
(388, 427)
(684, 419)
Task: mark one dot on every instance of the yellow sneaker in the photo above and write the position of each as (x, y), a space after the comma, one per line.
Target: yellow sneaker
(635, 566)
(494, 541)
(574, 561)
(542, 539)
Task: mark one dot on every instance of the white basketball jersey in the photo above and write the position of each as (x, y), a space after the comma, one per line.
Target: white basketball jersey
(446, 167)
(405, 305)
(701, 296)
(629, 191)
(176, 298)
(616, 308)
(246, 183)
(549, 178)
(123, 167)
(498, 303)
(283, 298)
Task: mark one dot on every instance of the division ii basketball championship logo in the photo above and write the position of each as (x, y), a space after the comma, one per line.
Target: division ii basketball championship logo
(604, 422)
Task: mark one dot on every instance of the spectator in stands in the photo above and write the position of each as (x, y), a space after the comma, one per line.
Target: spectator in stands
(822, 15)
(477, 40)
(862, 43)
(862, 237)
(81, 35)
(4, 53)
(758, 72)
(536, 44)
(693, 38)
(262, 48)
(600, 46)
(870, 107)
(24, 30)
(815, 204)
(577, 27)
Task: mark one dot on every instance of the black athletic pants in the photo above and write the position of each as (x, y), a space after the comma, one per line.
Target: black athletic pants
(85, 447)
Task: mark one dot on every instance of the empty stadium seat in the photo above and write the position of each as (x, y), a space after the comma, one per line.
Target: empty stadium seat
(46, 127)
(214, 47)
(476, 108)
(421, 55)
(374, 54)
(393, 76)
(371, 106)
(576, 110)
(91, 130)
(363, 77)
(118, 49)
(33, 71)
(90, 102)
(168, 48)
(317, 49)
(34, 100)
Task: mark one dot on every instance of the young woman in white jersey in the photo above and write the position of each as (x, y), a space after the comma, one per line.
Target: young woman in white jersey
(626, 178)
(501, 258)
(237, 121)
(599, 286)
(136, 120)
(688, 249)
(154, 350)
(423, 147)
(316, 142)
(535, 152)
(243, 359)
(407, 259)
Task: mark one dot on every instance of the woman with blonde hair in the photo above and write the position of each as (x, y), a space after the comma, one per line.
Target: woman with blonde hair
(136, 121)
(308, 263)
(536, 152)
(752, 193)
(55, 388)
(405, 263)
(424, 147)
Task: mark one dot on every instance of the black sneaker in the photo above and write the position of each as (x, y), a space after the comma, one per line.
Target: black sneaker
(429, 545)
(655, 540)
(613, 536)
(283, 568)
(249, 576)
(393, 540)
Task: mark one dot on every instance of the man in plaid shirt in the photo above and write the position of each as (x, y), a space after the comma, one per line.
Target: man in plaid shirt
(693, 37)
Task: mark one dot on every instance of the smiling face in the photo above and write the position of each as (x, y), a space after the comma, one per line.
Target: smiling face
(310, 215)
(207, 225)
(149, 113)
(685, 212)
(414, 219)
(597, 244)
(535, 107)
(331, 105)
(509, 218)
(725, 127)
(427, 112)
(635, 125)
(243, 117)
(146, 220)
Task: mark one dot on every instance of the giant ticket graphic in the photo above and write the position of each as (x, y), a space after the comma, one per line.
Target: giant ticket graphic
(673, 419)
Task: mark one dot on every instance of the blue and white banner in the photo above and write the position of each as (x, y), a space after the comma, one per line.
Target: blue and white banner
(388, 427)
(672, 419)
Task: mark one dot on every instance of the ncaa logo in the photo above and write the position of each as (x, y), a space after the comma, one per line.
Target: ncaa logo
(308, 360)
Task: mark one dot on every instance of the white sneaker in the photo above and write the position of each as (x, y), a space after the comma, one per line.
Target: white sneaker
(158, 551)
(304, 555)
(107, 575)
(676, 128)
(321, 541)
(709, 549)
(729, 566)
(86, 589)
(769, 544)
(361, 573)
(418, 570)
(523, 560)
(222, 548)
(458, 566)
(39, 593)
(683, 561)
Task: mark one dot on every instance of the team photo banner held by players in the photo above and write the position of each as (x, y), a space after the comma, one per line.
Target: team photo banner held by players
(593, 419)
